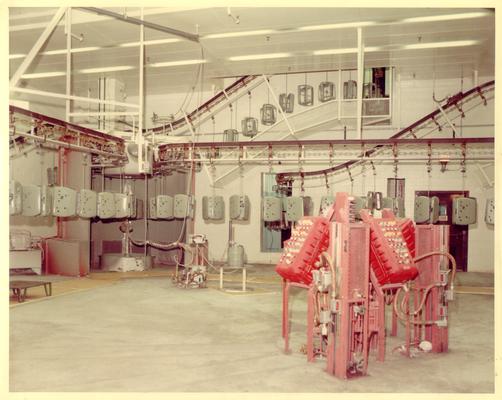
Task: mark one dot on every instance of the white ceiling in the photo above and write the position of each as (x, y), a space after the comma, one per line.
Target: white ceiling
(26, 24)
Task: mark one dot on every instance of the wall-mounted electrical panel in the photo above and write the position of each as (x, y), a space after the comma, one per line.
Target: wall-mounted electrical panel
(183, 206)
(164, 207)
(31, 200)
(152, 208)
(271, 208)
(464, 211)
(87, 203)
(106, 205)
(490, 211)
(325, 204)
(213, 208)
(64, 202)
(121, 205)
(45, 201)
(15, 198)
(422, 209)
(239, 207)
(294, 208)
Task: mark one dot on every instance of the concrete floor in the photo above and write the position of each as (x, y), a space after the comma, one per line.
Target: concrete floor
(146, 335)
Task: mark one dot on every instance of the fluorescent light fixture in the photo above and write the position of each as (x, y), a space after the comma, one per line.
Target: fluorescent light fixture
(239, 34)
(176, 63)
(336, 26)
(447, 17)
(43, 75)
(435, 45)
(324, 52)
(75, 50)
(260, 56)
(106, 69)
(150, 42)
(15, 56)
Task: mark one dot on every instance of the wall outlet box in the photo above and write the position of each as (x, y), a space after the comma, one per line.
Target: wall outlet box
(31, 200)
(213, 208)
(106, 205)
(239, 207)
(64, 202)
(271, 208)
(15, 198)
(87, 203)
(165, 206)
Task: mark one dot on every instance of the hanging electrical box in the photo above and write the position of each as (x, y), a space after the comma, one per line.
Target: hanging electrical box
(121, 205)
(87, 203)
(369, 91)
(268, 114)
(395, 187)
(287, 102)
(422, 211)
(133, 206)
(239, 207)
(152, 208)
(249, 126)
(294, 208)
(45, 201)
(183, 206)
(350, 89)
(326, 91)
(15, 198)
(106, 205)
(31, 200)
(271, 208)
(464, 211)
(64, 202)
(305, 95)
(164, 207)
(490, 211)
(434, 215)
(213, 208)
(325, 203)
(230, 135)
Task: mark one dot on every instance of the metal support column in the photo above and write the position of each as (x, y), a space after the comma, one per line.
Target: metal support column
(360, 81)
(68, 63)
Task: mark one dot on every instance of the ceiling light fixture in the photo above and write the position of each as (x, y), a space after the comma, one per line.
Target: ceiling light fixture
(150, 42)
(106, 69)
(446, 17)
(15, 56)
(436, 45)
(176, 63)
(336, 26)
(260, 56)
(43, 75)
(239, 34)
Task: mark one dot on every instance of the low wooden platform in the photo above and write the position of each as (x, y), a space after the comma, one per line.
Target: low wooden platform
(19, 288)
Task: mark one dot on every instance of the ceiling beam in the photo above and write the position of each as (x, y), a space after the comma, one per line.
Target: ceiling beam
(136, 21)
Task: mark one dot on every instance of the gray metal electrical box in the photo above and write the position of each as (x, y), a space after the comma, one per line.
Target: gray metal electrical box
(294, 208)
(434, 216)
(45, 201)
(164, 207)
(326, 202)
(15, 198)
(31, 200)
(490, 211)
(213, 208)
(183, 206)
(87, 203)
(64, 202)
(152, 208)
(272, 208)
(422, 209)
(308, 205)
(239, 207)
(464, 211)
(387, 202)
(121, 205)
(106, 205)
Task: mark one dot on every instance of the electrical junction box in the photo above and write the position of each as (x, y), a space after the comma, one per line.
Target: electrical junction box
(308, 205)
(164, 207)
(106, 205)
(132, 203)
(64, 203)
(239, 207)
(387, 202)
(326, 202)
(213, 208)
(422, 209)
(45, 201)
(121, 205)
(271, 208)
(490, 211)
(294, 208)
(434, 216)
(183, 206)
(31, 200)
(464, 211)
(87, 203)
(152, 208)
(15, 198)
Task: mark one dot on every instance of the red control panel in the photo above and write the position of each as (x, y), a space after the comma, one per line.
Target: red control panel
(309, 239)
(390, 257)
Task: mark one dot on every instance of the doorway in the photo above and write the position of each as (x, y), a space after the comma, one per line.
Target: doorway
(459, 234)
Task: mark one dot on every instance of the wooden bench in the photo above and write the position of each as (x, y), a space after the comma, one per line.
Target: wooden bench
(19, 288)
